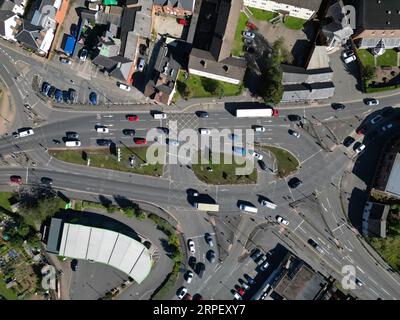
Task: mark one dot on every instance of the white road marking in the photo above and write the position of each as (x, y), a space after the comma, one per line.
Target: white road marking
(373, 291)
(331, 117)
(334, 258)
(386, 292)
(313, 155)
(348, 248)
(362, 271)
(323, 207)
(333, 230)
(49, 160)
(298, 225)
(349, 259)
(321, 241)
(373, 281)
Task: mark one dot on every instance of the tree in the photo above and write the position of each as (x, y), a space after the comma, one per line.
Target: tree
(210, 85)
(369, 73)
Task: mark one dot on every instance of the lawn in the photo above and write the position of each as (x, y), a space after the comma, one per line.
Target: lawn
(101, 158)
(263, 15)
(287, 162)
(237, 49)
(6, 293)
(366, 57)
(294, 23)
(197, 86)
(223, 173)
(389, 58)
(4, 200)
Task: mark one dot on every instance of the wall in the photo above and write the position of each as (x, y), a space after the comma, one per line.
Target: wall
(273, 6)
(214, 76)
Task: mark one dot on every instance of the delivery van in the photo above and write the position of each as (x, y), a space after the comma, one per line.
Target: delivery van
(73, 143)
(160, 115)
(247, 208)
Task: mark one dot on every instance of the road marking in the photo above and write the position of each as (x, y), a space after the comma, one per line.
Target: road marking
(333, 230)
(362, 271)
(373, 291)
(321, 241)
(323, 207)
(373, 281)
(348, 248)
(313, 155)
(49, 160)
(367, 111)
(348, 258)
(331, 117)
(386, 292)
(334, 258)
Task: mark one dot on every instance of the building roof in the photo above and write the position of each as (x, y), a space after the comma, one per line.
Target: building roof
(142, 26)
(308, 4)
(29, 35)
(308, 91)
(378, 15)
(55, 232)
(184, 4)
(318, 58)
(374, 219)
(393, 184)
(101, 245)
(6, 5)
(296, 75)
(4, 16)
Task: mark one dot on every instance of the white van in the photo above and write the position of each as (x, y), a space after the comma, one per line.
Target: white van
(246, 208)
(24, 133)
(268, 204)
(160, 115)
(73, 143)
(204, 131)
(102, 129)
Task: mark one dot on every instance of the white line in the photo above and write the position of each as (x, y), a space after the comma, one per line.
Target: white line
(313, 155)
(373, 291)
(349, 259)
(49, 161)
(329, 118)
(334, 258)
(386, 292)
(322, 241)
(298, 225)
(322, 204)
(333, 230)
(360, 269)
(373, 281)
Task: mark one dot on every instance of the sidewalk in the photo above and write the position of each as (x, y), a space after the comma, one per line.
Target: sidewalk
(7, 111)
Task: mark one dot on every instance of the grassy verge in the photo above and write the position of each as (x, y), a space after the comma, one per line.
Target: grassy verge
(223, 173)
(286, 161)
(262, 15)
(4, 200)
(294, 23)
(389, 58)
(101, 158)
(367, 59)
(380, 89)
(6, 293)
(237, 49)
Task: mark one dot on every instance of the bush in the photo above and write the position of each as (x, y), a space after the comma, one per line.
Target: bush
(210, 85)
(184, 90)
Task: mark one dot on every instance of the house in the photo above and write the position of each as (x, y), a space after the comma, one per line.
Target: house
(16, 6)
(377, 21)
(9, 24)
(294, 8)
(179, 8)
(336, 28)
(214, 60)
(374, 219)
(162, 85)
(30, 36)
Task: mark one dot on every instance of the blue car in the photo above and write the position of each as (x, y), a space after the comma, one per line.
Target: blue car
(93, 98)
(58, 95)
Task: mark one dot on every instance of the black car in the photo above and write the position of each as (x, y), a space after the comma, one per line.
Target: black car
(71, 95)
(45, 87)
(294, 182)
(65, 95)
(192, 262)
(129, 132)
(142, 49)
(348, 141)
(72, 135)
(46, 180)
(255, 254)
(74, 264)
(104, 142)
(56, 141)
(51, 92)
(262, 164)
(208, 239)
(338, 106)
(294, 117)
(200, 268)
(211, 256)
(202, 114)
(249, 49)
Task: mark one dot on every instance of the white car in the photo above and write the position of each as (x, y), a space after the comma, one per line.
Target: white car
(182, 293)
(123, 86)
(282, 221)
(387, 127)
(295, 134)
(259, 129)
(141, 64)
(189, 276)
(237, 296)
(248, 34)
(102, 129)
(360, 148)
(191, 246)
(348, 53)
(350, 59)
(205, 131)
(256, 155)
(268, 204)
(372, 102)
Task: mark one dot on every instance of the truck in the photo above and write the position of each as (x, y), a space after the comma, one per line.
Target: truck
(257, 112)
(206, 206)
(239, 150)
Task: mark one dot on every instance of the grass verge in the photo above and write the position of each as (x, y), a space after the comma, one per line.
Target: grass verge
(367, 59)
(389, 58)
(286, 161)
(294, 23)
(6, 293)
(237, 48)
(262, 15)
(4, 200)
(101, 158)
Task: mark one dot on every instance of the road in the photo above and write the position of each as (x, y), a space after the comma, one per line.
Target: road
(321, 172)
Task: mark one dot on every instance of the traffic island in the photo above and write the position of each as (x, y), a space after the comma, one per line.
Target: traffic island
(286, 162)
(132, 159)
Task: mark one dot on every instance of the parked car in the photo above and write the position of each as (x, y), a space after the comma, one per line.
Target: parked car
(74, 264)
(248, 34)
(182, 292)
(359, 282)
(233, 137)
(72, 135)
(84, 54)
(45, 88)
(249, 49)
(128, 132)
(200, 269)
(204, 131)
(376, 119)
(202, 114)
(71, 95)
(123, 86)
(315, 245)
(372, 102)
(249, 279)
(65, 60)
(360, 148)
(189, 276)
(237, 296)
(294, 133)
(16, 179)
(294, 182)
(262, 165)
(46, 180)
(338, 106)
(211, 256)
(65, 95)
(140, 140)
(348, 141)
(208, 239)
(132, 117)
(256, 155)
(192, 249)
(104, 142)
(141, 64)
(58, 95)
(282, 220)
(241, 291)
(261, 259)
(255, 254)
(142, 49)
(93, 98)
(350, 59)
(183, 22)
(51, 92)
(102, 129)
(264, 266)
(348, 53)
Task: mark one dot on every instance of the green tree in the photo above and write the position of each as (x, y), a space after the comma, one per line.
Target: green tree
(210, 85)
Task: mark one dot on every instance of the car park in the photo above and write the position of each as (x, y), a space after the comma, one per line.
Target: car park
(294, 182)
(262, 165)
(387, 127)
(348, 141)
(132, 117)
(189, 276)
(257, 128)
(191, 246)
(128, 132)
(46, 180)
(372, 102)
(249, 35)
(256, 155)
(141, 64)
(208, 239)
(123, 86)
(360, 148)
(338, 106)
(65, 60)
(93, 98)
(140, 140)
(83, 55)
(182, 292)
(211, 256)
(104, 142)
(202, 114)
(282, 221)
(102, 129)
(16, 179)
(376, 119)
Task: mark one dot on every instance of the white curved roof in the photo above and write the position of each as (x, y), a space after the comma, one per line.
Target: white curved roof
(105, 246)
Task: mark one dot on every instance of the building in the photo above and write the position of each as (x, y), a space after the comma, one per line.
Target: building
(374, 219)
(9, 24)
(377, 21)
(311, 82)
(212, 57)
(16, 6)
(179, 8)
(30, 36)
(99, 245)
(295, 8)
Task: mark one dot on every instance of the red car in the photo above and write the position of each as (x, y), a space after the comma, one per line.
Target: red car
(132, 117)
(16, 179)
(275, 113)
(140, 140)
(251, 25)
(241, 291)
(183, 22)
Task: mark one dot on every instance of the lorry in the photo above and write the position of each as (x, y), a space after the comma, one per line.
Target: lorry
(257, 112)
(206, 206)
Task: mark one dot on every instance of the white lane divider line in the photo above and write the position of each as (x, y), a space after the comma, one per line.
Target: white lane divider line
(374, 292)
(386, 292)
(48, 162)
(360, 269)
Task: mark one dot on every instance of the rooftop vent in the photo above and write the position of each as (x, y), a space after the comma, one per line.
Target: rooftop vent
(388, 12)
(387, 22)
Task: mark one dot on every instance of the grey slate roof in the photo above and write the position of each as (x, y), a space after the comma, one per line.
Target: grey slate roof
(305, 92)
(4, 16)
(185, 4)
(54, 237)
(373, 15)
(28, 35)
(293, 75)
(6, 5)
(308, 4)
